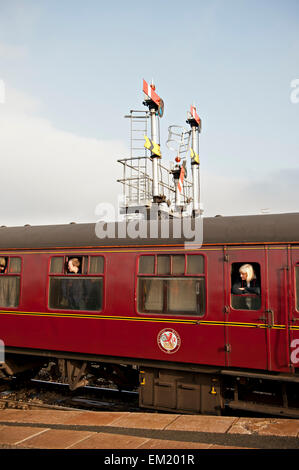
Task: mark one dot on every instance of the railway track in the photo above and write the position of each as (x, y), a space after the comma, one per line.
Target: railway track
(39, 394)
(48, 394)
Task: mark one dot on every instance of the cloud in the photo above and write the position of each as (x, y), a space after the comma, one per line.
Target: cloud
(276, 192)
(18, 103)
(52, 176)
(13, 52)
(49, 175)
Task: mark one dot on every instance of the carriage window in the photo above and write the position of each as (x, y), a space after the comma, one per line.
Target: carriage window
(163, 264)
(147, 265)
(176, 286)
(178, 264)
(9, 281)
(3, 264)
(76, 283)
(14, 265)
(246, 286)
(79, 293)
(96, 265)
(57, 264)
(195, 264)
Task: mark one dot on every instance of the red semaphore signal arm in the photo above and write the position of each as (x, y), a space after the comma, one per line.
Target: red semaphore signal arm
(150, 92)
(195, 115)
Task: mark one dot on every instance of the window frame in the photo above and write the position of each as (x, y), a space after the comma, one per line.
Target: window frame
(240, 263)
(8, 274)
(163, 277)
(64, 275)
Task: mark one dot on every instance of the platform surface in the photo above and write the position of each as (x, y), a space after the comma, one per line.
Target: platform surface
(47, 429)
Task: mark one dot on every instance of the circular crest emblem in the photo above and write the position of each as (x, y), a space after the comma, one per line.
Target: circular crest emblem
(168, 340)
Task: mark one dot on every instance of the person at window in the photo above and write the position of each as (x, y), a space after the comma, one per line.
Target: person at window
(2, 265)
(73, 266)
(71, 290)
(247, 283)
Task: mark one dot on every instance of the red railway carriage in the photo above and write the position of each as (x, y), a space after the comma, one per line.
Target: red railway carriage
(159, 308)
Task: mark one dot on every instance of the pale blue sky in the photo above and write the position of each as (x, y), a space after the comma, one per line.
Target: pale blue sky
(78, 67)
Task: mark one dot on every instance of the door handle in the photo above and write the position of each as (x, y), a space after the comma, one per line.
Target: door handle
(269, 318)
(270, 315)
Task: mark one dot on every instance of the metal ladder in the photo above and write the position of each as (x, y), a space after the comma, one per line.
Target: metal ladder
(138, 129)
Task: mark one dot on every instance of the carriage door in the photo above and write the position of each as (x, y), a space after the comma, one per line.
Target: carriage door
(246, 318)
(293, 307)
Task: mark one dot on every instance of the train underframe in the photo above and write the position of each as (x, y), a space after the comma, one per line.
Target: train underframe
(165, 386)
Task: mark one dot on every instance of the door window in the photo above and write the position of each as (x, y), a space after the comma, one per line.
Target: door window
(245, 286)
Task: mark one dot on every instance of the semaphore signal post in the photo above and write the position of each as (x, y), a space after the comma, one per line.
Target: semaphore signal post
(195, 123)
(162, 189)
